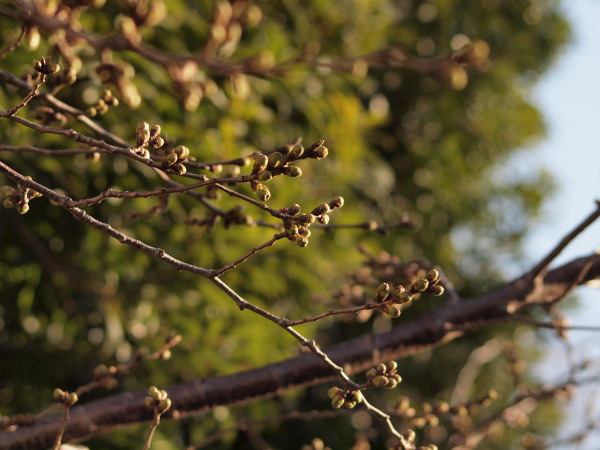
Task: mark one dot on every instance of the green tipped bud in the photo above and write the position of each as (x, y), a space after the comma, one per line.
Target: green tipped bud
(436, 290)
(420, 285)
(404, 297)
(264, 176)
(382, 292)
(350, 405)
(154, 392)
(260, 163)
(320, 152)
(59, 395)
(391, 366)
(392, 383)
(274, 159)
(433, 276)
(354, 396)
(301, 241)
(157, 142)
(164, 405)
(296, 152)
(154, 131)
(305, 219)
(334, 392)
(7, 191)
(182, 151)
(381, 368)
(22, 208)
(179, 169)
(171, 159)
(8, 203)
(337, 202)
(324, 219)
(380, 381)
(292, 171)
(72, 399)
(263, 193)
(396, 293)
(303, 231)
(393, 311)
(337, 402)
(396, 377)
(321, 209)
(293, 230)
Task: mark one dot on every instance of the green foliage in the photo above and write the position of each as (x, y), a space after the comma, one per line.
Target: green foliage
(400, 142)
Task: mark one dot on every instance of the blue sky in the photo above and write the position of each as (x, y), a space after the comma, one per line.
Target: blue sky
(569, 96)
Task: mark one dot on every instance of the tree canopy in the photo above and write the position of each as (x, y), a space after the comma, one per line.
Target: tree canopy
(324, 165)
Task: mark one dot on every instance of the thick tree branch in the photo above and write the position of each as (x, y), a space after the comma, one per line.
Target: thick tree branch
(436, 328)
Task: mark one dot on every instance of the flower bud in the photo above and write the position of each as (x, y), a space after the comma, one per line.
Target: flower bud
(393, 311)
(321, 209)
(171, 159)
(8, 203)
(324, 219)
(382, 292)
(436, 290)
(7, 191)
(142, 137)
(179, 169)
(296, 152)
(303, 231)
(294, 209)
(433, 275)
(292, 171)
(181, 151)
(392, 383)
(154, 392)
(274, 159)
(380, 381)
(164, 405)
(154, 131)
(391, 366)
(301, 241)
(263, 193)
(59, 395)
(157, 142)
(337, 202)
(320, 153)
(371, 373)
(334, 392)
(22, 208)
(420, 285)
(149, 402)
(260, 163)
(72, 399)
(264, 176)
(337, 402)
(305, 219)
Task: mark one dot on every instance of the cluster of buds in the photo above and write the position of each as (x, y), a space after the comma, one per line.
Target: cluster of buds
(106, 100)
(297, 225)
(384, 375)
(174, 160)
(120, 76)
(147, 137)
(65, 398)
(157, 400)
(340, 397)
(18, 198)
(45, 67)
(106, 376)
(399, 295)
(278, 162)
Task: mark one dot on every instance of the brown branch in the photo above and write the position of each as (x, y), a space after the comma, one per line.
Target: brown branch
(308, 369)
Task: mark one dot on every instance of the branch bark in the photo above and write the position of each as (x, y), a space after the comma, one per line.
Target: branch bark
(434, 329)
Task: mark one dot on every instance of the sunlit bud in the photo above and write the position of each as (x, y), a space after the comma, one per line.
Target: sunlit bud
(274, 159)
(294, 209)
(397, 291)
(337, 202)
(452, 75)
(382, 292)
(393, 311)
(296, 151)
(165, 355)
(264, 176)
(7, 191)
(260, 163)
(142, 138)
(337, 402)
(321, 209)
(433, 275)
(154, 131)
(420, 285)
(324, 219)
(154, 392)
(164, 404)
(301, 241)
(157, 142)
(436, 290)
(292, 171)
(334, 392)
(320, 152)
(293, 230)
(59, 395)
(380, 381)
(305, 219)
(349, 405)
(371, 373)
(392, 383)
(391, 366)
(32, 38)
(171, 159)
(381, 368)
(149, 402)
(404, 297)
(263, 193)
(22, 208)
(182, 151)
(303, 231)
(72, 399)
(396, 377)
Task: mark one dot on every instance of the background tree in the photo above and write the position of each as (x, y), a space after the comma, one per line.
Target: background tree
(416, 118)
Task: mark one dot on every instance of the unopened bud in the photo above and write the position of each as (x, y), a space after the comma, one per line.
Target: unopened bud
(337, 202)
(436, 290)
(420, 285)
(382, 292)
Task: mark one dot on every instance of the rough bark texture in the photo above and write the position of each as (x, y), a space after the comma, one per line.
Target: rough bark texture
(436, 328)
